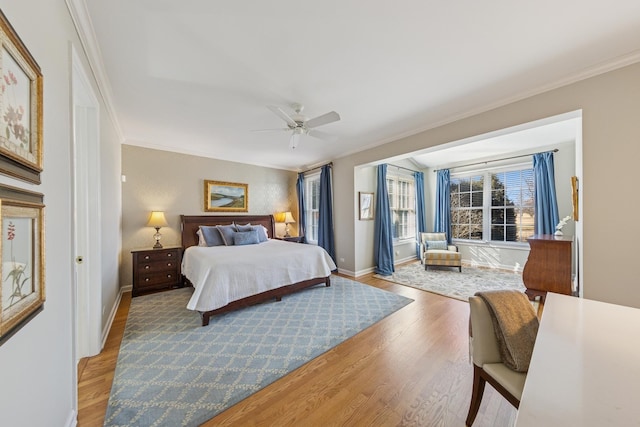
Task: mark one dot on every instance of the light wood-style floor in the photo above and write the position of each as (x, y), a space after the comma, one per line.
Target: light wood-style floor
(410, 369)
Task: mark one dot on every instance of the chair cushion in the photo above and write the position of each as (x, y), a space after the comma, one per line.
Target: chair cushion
(511, 380)
(436, 244)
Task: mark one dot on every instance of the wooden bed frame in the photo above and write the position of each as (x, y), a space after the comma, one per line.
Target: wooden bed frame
(189, 225)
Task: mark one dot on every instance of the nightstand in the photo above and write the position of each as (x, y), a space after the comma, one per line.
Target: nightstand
(294, 239)
(156, 269)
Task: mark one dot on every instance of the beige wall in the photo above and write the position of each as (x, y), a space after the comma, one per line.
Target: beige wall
(174, 183)
(610, 105)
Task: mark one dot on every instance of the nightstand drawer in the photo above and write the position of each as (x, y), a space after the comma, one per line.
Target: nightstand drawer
(163, 265)
(159, 255)
(157, 278)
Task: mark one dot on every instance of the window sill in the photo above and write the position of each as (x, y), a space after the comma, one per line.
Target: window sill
(404, 242)
(488, 244)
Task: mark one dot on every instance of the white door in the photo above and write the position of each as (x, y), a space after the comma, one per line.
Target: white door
(86, 204)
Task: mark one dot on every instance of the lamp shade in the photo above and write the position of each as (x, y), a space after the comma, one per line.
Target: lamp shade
(279, 216)
(157, 219)
(288, 218)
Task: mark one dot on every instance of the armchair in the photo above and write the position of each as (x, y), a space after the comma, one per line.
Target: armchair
(434, 250)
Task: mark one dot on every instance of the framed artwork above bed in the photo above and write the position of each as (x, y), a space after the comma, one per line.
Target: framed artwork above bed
(222, 196)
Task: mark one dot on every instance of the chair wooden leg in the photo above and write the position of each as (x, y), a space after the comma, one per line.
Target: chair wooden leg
(476, 395)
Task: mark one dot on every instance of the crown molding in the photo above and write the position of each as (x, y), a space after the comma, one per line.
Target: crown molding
(84, 28)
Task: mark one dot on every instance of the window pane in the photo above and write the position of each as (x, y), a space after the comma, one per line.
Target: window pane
(497, 217)
(476, 198)
(497, 232)
(512, 233)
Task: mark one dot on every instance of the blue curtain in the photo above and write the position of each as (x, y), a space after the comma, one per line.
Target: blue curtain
(545, 200)
(383, 238)
(325, 218)
(421, 220)
(302, 218)
(443, 204)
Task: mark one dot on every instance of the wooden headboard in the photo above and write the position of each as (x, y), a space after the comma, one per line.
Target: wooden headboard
(190, 223)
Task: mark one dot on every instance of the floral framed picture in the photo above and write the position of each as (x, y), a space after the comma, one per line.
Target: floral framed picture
(225, 196)
(20, 108)
(22, 290)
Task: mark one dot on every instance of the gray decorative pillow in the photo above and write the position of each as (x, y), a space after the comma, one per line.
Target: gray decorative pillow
(212, 236)
(246, 238)
(262, 232)
(437, 244)
(227, 232)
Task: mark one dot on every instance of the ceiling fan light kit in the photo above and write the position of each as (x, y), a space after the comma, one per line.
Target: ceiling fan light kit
(299, 124)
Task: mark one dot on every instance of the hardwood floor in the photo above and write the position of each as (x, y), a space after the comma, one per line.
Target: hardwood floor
(410, 369)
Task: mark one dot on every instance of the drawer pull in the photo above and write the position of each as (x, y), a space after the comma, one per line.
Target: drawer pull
(169, 254)
(168, 276)
(168, 264)
(146, 257)
(146, 267)
(146, 280)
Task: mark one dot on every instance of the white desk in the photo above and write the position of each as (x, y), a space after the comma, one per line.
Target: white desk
(585, 368)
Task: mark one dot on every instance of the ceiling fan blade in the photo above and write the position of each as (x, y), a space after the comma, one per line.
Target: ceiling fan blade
(284, 116)
(271, 130)
(321, 135)
(322, 120)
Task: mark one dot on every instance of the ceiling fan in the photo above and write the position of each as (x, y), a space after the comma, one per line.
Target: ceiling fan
(300, 124)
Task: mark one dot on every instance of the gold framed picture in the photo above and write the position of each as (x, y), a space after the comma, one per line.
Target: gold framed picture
(22, 292)
(222, 196)
(20, 108)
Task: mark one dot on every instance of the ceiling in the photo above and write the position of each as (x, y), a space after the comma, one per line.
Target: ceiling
(196, 76)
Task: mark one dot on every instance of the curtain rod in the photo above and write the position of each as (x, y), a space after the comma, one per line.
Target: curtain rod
(400, 167)
(330, 164)
(496, 160)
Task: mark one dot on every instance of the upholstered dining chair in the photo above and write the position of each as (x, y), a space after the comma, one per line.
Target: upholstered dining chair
(434, 250)
(488, 366)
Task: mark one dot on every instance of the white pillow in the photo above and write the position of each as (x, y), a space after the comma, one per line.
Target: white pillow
(201, 241)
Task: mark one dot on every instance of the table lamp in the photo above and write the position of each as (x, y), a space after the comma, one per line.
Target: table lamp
(288, 219)
(157, 220)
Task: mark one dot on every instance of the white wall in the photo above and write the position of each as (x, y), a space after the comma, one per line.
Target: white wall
(39, 373)
(610, 104)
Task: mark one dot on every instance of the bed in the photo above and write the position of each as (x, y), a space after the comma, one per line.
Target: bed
(227, 278)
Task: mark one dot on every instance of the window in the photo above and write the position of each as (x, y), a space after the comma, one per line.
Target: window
(467, 196)
(493, 205)
(312, 204)
(402, 204)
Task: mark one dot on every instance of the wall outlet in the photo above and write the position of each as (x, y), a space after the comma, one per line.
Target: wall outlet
(341, 259)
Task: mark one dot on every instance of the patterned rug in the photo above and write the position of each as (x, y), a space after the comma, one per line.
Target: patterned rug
(450, 283)
(173, 372)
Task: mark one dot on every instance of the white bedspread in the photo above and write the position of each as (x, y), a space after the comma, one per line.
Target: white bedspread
(223, 274)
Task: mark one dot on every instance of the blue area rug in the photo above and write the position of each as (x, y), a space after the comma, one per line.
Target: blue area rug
(173, 372)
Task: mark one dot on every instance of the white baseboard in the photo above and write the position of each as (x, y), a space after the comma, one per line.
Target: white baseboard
(112, 316)
(72, 419)
(346, 272)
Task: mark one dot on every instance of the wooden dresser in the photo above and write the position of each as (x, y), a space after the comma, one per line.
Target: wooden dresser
(548, 268)
(156, 269)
